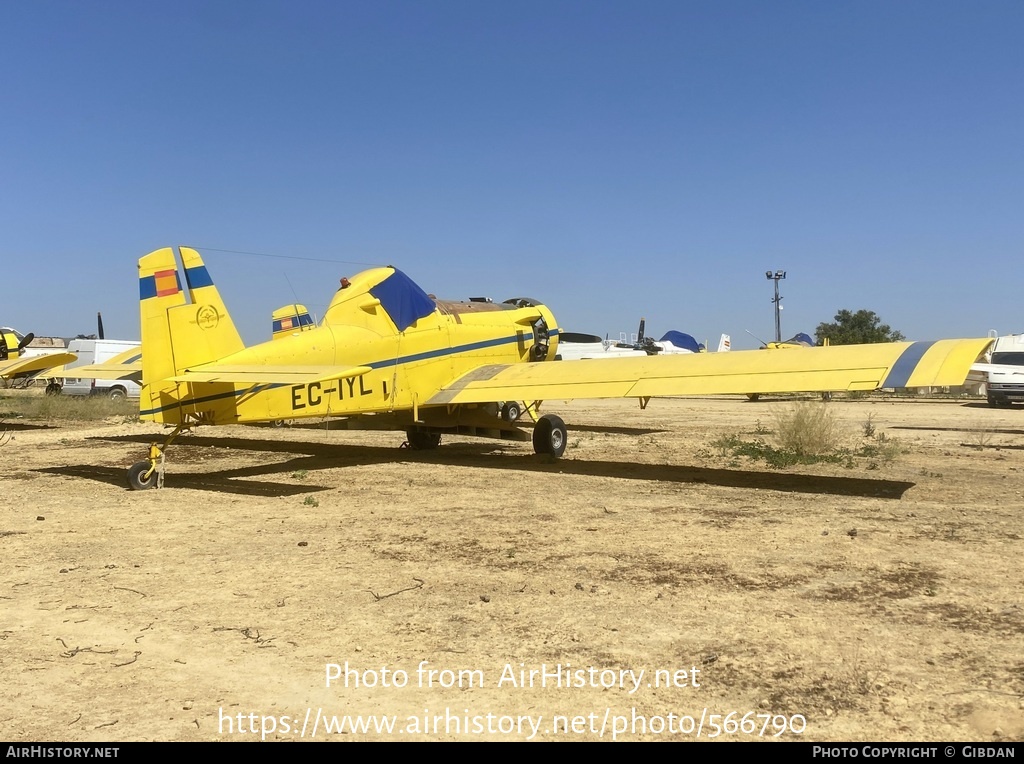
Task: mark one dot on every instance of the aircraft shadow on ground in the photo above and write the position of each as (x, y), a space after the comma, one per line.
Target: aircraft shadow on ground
(487, 455)
(986, 405)
(20, 427)
(220, 482)
(616, 430)
(992, 430)
(610, 429)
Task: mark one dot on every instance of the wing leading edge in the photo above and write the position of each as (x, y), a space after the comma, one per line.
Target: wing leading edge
(34, 363)
(836, 368)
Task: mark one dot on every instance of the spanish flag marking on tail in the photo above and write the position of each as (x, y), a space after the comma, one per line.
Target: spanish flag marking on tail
(160, 284)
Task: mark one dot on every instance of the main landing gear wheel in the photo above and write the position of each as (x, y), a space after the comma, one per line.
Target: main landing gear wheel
(511, 411)
(550, 436)
(422, 440)
(138, 480)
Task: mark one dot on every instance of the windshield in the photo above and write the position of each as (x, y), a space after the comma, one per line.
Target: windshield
(1010, 359)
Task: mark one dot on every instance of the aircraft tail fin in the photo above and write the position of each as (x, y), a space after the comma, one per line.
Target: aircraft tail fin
(725, 343)
(177, 334)
(289, 320)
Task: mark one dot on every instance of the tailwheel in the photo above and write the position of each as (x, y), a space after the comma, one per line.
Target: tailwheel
(422, 440)
(142, 475)
(150, 473)
(550, 436)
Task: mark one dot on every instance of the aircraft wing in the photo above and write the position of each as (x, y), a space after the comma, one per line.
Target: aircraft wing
(836, 368)
(258, 374)
(34, 363)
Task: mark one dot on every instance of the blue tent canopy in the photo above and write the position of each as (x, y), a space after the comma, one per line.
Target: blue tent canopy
(681, 340)
(403, 300)
(801, 339)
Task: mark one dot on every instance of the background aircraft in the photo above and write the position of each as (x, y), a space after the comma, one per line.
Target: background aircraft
(17, 359)
(388, 355)
(671, 343)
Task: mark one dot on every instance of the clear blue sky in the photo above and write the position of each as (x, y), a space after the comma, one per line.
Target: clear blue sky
(614, 159)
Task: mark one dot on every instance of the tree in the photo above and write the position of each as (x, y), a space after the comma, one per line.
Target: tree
(857, 328)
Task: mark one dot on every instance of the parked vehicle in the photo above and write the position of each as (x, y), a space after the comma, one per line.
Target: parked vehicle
(1005, 369)
(91, 352)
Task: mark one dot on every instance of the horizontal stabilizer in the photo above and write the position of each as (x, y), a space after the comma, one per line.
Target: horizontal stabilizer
(268, 375)
(125, 365)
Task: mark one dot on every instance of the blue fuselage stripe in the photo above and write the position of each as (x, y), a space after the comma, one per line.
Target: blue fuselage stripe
(905, 365)
(440, 352)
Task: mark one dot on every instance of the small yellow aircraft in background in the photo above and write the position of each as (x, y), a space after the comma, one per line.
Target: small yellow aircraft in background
(14, 361)
(389, 356)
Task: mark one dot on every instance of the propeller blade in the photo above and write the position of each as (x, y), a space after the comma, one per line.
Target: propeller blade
(25, 342)
(640, 334)
(99, 325)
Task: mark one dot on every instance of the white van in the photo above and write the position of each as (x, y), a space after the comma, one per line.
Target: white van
(98, 351)
(1006, 371)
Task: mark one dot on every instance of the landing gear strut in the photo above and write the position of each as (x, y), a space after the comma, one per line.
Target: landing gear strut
(150, 472)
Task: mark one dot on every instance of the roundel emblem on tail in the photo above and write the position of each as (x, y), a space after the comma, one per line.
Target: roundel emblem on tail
(207, 317)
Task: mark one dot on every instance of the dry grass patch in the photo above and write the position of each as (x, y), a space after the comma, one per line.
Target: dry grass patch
(807, 429)
(66, 408)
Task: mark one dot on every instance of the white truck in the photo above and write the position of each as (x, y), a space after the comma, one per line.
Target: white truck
(93, 352)
(1004, 371)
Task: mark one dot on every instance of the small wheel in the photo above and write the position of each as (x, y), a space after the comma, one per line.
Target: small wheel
(53, 389)
(550, 436)
(137, 479)
(511, 411)
(117, 394)
(277, 423)
(753, 396)
(826, 396)
(422, 440)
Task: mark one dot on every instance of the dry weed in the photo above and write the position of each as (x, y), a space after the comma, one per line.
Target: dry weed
(807, 429)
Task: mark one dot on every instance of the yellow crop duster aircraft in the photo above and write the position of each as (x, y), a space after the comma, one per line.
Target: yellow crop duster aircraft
(14, 360)
(390, 356)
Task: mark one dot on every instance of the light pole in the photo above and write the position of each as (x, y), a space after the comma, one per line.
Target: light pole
(776, 300)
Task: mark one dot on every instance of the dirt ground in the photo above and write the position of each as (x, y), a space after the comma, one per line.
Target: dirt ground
(876, 599)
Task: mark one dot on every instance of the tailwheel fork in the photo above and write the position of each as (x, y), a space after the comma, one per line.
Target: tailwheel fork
(149, 473)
